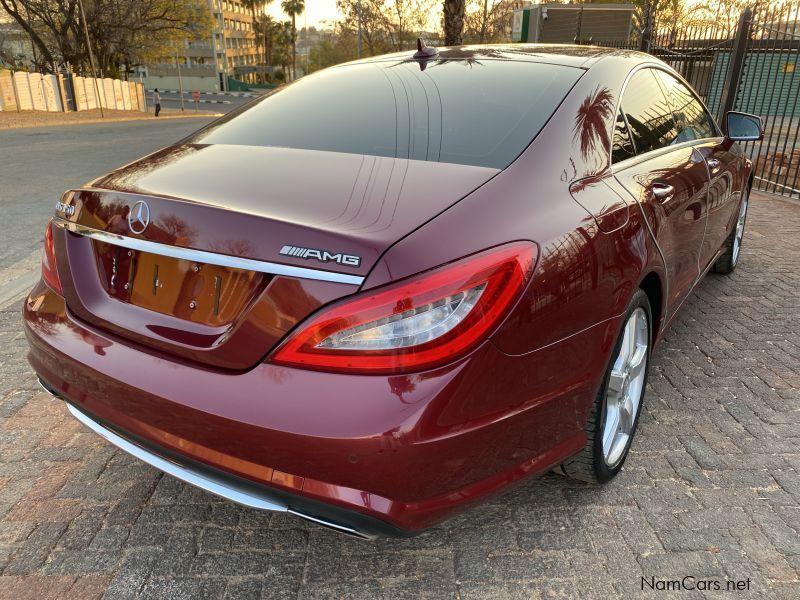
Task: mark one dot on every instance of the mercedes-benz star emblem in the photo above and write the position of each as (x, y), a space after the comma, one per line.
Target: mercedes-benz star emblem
(139, 217)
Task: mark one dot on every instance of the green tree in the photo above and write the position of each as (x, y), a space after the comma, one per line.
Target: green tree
(487, 21)
(134, 32)
(265, 27)
(333, 48)
(123, 33)
(293, 8)
(51, 26)
(385, 26)
(282, 47)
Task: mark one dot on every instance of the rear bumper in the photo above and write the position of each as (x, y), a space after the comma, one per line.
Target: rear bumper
(233, 488)
(368, 455)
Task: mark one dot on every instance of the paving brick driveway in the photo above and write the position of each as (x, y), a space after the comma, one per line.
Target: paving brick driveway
(711, 489)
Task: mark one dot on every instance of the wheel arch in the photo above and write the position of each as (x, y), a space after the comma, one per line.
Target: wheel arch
(652, 286)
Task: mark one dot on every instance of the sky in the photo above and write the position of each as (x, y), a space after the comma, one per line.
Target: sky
(317, 11)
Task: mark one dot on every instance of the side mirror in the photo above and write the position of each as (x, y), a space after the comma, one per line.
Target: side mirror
(743, 127)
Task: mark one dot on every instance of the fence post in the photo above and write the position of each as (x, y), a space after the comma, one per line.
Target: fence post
(16, 93)
(579, 26)
(644, 41)
(63, 91)
(731, 88)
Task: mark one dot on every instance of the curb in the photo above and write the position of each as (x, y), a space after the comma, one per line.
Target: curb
(148, 117)
(207, 101)
(188, 92)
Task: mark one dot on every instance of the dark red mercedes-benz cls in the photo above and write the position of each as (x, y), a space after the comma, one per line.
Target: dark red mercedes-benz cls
(394, 287)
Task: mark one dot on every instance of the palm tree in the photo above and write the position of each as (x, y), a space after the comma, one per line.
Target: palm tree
(453, 21)
(252, 5)
(256, 6)
(264, 15)
(266, 29)
(293, 8)
(282, 46)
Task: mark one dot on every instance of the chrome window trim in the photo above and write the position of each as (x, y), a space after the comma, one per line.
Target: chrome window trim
(640, 158)
(657, 151)
(209, 258)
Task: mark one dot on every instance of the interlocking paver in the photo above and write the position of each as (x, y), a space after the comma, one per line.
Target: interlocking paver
(711, 489)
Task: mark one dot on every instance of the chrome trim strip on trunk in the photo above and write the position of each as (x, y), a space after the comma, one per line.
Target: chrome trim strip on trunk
(209, 258)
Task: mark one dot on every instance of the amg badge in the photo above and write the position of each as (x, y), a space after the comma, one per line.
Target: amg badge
(348, 260)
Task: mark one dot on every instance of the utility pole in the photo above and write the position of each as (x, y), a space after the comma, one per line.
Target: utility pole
(91, 58)
(306, 47)
(180, 80)
(30, 36)
(358, 9)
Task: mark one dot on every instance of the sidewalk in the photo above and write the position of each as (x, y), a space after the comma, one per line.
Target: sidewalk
(28, 118)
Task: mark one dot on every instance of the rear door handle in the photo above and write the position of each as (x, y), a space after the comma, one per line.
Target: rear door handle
(662, 191)
(713, 165)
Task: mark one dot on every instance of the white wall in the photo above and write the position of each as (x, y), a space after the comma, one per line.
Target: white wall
(201, 84)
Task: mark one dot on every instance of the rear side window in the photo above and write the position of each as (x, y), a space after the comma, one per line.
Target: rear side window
(691, 118)
(648, 112)
(481, 112)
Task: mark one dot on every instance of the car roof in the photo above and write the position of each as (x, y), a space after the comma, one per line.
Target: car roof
(561, 54)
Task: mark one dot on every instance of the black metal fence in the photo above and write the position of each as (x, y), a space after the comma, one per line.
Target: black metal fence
(753, 67)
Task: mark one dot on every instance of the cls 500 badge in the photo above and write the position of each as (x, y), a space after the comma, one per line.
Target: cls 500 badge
(67, 209)
(348, 260)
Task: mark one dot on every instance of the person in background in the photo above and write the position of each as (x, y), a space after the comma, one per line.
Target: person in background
(157, 101)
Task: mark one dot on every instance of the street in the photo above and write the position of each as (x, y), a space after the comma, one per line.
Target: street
(711, 489)
(210, 101)
(37, 165)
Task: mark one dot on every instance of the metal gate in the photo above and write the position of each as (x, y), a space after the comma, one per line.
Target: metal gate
(752, 66)
(766, 82)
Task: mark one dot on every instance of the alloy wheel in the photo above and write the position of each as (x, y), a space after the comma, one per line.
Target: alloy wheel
(737, 239)
(625, 387)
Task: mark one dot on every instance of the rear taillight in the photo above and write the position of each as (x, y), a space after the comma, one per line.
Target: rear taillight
(418, 323)
(49, 270)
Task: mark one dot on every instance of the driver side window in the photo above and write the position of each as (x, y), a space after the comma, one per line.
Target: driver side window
(691, 117)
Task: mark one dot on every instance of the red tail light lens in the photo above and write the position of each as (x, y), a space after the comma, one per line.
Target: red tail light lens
(49, 270)
(418, 323)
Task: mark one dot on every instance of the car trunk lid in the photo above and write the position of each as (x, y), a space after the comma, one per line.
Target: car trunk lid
(213, 253)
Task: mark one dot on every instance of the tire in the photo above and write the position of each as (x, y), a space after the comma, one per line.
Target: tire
(606, 450)
(732, 247)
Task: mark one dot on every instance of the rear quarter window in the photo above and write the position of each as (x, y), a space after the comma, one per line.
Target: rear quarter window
(648, 112)
(622, 144)
(481, 112)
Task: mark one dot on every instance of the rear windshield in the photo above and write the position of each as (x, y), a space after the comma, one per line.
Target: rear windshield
(481, 112)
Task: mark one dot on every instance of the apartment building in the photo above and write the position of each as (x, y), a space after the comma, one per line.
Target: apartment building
(205, 65)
